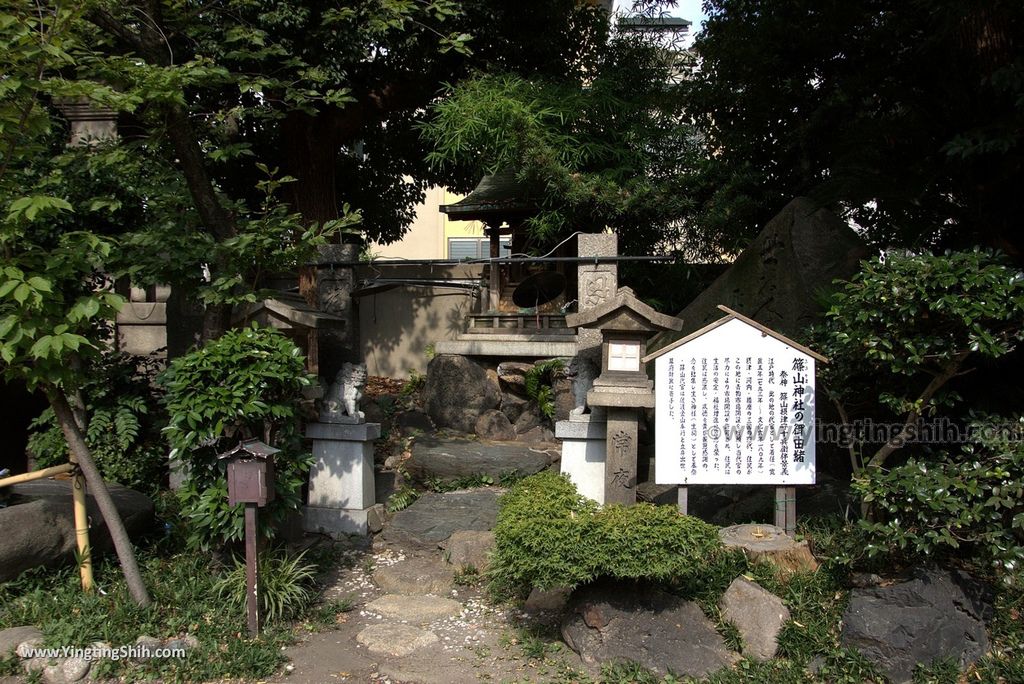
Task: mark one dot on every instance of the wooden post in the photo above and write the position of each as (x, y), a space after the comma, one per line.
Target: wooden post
(252, 602)
(785, 509)
(494, 282)
(684, 500)
(82, 529)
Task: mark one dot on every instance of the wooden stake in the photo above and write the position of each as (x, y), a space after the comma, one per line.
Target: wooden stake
(684, 496)
(785, 509)
(252, 602)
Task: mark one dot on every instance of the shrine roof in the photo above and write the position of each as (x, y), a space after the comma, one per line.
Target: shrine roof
(497, 195)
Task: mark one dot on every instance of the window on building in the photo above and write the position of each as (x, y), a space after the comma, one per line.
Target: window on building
(476, 248)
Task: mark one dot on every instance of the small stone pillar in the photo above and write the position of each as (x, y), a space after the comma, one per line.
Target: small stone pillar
(596, 284)
(583, 435)
(341, 485)
(625, 324)
(583, 453)
(91, 124)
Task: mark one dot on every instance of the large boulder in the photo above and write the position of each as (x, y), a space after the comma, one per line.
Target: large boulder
(613, 622)
(779, 278)
(39, 528)
(413, 422)
(512, 377)
(12, 637)
(936, 615)
(458, 391)
(456, 458)
(469, 549)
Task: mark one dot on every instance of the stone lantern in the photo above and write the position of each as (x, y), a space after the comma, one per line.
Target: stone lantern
(623, 388)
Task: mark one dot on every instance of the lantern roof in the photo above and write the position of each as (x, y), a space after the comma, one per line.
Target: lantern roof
(285, 310)
(624, 312)
(252, 448)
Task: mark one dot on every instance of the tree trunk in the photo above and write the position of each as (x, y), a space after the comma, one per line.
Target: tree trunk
(311, 148)
(76, 442)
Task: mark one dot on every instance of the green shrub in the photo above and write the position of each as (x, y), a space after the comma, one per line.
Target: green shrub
(415, 384)
(123, 431)
(244, 384)
(903, 328)
(547, 535)
(286, 586)
(971, 501)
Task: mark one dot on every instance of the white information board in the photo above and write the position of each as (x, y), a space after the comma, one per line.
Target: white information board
(734, 405)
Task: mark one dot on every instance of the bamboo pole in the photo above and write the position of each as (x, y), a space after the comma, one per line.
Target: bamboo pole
(81, 527)
(81, 512)
(37, 474)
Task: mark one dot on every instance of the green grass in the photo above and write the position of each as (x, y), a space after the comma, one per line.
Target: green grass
(183, 588)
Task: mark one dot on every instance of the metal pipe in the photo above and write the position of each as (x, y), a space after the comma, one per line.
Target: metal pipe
(37, 474)
(502, 260)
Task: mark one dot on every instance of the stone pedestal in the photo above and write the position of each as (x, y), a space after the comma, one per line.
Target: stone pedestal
(583, 453)
(620, 457)
(341, 488)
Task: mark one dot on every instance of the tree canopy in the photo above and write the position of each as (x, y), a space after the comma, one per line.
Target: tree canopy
(906, 117)
(607, 145)
(250, 132)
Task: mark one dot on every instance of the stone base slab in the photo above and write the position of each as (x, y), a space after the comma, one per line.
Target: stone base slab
(343, 432)
(340, 522)
(583, 455)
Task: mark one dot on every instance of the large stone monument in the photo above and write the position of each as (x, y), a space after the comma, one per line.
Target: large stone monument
(779, 278)
(341, 484)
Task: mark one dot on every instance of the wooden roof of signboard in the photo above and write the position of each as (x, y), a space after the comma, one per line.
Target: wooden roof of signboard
(288, 308)
(735, 315)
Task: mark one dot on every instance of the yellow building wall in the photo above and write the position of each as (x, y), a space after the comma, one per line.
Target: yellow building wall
(427, 237)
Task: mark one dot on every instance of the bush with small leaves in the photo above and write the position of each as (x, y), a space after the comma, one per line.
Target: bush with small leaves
(242, 385)
(547, 535)
(903, 328)
(971, 501)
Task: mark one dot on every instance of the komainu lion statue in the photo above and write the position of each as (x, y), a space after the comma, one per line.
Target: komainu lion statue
(581, 371)
(342, 401)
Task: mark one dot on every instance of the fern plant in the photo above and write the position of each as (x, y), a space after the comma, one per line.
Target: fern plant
(123, 431)
(539, 380)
